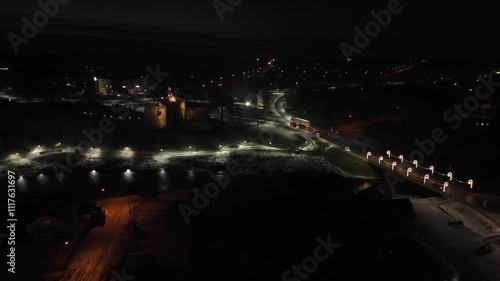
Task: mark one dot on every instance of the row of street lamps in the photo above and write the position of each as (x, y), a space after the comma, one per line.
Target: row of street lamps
(410, 169)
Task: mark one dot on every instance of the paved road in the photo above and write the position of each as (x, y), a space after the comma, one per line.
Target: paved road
(457, 190)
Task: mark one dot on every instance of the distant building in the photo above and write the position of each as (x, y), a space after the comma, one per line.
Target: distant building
(483, 117)
(171, 113)
(102, 86)
(134, 86)
(155, 116)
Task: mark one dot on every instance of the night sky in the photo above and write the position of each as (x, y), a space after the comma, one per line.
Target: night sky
(448, 30)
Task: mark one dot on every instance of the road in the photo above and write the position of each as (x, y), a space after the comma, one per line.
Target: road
(456, 189)
(101, 247)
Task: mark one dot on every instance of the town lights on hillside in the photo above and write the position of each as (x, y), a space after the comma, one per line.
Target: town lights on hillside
(368, 155)
(450, 175)
(394, 165)
(401, 157)
(470, 182)
(415, 162)
(445, 185)
(380, 159)
(388, 152)
(432, 169)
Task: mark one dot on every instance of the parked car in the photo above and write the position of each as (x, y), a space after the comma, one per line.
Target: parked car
(456, 223)
(484, 249)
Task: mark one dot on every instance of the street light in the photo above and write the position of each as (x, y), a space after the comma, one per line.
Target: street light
(401, 157)
(388, 153)
(368, 155)
(470, 182)
(394, 165)
(432, 169)
(445, 185)
(380, 159)
(408, 171)
(415, 162)
(450, 175)
(426, 177)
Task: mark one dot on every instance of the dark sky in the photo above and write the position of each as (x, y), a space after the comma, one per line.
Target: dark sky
(448, 30)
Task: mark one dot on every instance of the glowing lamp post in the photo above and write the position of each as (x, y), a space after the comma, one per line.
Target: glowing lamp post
(388, 153)
(380, 159)
(426, 177)
(401, 158)
(470, 182)
(394, 165)
(450, 175)
(368, 155)
(408, 171)
(445, 185)
(432, 169)
(415, 162)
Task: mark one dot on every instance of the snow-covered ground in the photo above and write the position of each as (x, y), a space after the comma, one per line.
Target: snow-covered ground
(472, 219)
(252, 159)
(458, 243)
